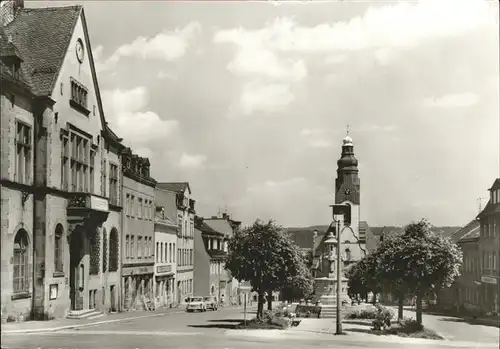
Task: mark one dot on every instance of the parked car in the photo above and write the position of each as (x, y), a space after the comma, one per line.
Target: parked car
(211, 302)
(196, 303)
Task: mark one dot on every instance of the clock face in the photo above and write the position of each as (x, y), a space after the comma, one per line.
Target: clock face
(347, 191)
(79, 50)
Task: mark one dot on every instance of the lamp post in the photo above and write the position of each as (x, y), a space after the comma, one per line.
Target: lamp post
(315, 235)
(339, 210)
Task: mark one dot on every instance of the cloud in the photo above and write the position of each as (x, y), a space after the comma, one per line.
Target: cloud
(259, 97)
(271, 185)
(460, 100)
(192, 161)
(163, 75)
(167, 46)
(250, 61)
(318, 138)
(393, 25)
(126, 112)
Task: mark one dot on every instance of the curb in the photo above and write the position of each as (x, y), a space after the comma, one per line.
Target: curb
(67, 327)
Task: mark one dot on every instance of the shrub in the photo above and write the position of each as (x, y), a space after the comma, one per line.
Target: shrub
(307, 311)
(410, 325)
(383, 318)
(362, 314)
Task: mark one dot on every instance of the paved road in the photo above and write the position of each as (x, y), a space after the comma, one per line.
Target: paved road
(456, 329)
(201, 330)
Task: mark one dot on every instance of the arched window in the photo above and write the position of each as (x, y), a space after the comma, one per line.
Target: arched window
(113, 250)
(58, 249)
(104, 250)
(21, 253)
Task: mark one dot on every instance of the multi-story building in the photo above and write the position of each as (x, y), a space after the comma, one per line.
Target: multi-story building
(229, 291)
(166, 248)
(138, 256)
(210, 248)
(185, 238)
(489, 250)
(60, 229)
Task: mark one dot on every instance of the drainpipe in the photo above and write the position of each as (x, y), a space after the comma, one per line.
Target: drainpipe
(33, 242)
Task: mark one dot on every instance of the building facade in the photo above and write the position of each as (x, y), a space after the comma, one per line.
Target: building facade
(185, 206)
(229, 290)
(489, 250)
(138, 255)
(60, 230)
(166, 249)
(209, 252)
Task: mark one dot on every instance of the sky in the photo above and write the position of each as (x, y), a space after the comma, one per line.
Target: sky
(249, 102)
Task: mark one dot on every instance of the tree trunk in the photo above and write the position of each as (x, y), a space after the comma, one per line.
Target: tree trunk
(400, 306)
(419, 308)
(374, 300)
(260, 305)
(269, 300)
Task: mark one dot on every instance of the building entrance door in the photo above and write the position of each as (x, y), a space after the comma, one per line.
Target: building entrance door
(77, 269)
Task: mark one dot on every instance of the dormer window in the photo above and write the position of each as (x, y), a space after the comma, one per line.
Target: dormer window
(16, 67)
(79, 97)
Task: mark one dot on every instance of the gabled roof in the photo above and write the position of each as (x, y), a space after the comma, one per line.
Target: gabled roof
(470, 230)
(42, 36)
(496, 184)
(177, 187)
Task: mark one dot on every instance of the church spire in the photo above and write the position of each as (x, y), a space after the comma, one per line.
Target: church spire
(347, 182)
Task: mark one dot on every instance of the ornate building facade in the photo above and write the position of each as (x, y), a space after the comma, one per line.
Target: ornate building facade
(60, 202)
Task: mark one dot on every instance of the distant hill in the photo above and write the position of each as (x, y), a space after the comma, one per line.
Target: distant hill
(303, 237)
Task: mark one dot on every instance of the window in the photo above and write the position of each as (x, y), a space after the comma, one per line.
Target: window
(103, 177)
(127, 246)
(179, 261)
(113, 184)
(79, 95)
(58, 249)
(95, 260)
(161, 253)
(104, 250)
(23, 153)
(132, 205)
(165, 256)
(113, 250)
(140, 247)
(139, 214)
(21, 253)
(185, 228)
(81, 164)
(133, 247)
(127, 204)
(64, 162)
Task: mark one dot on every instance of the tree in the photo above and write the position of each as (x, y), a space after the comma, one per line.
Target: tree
(264, 255)
(300, 285)
(417, 262)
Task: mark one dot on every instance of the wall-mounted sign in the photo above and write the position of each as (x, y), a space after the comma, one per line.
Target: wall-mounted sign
(164, 268)
(137, 270)
(53, 291)
(99, 204)
(488, 280)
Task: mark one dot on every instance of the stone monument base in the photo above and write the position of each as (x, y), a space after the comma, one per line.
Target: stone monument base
(325, 291)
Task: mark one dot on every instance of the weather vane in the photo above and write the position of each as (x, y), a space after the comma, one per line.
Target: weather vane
(347, 130)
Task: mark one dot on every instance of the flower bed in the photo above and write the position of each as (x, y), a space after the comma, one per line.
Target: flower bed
(307, 311)
(271, 319)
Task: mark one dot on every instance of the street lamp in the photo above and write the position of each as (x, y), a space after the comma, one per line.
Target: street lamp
(342, 211)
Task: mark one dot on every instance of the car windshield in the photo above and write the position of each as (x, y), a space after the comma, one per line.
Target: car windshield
(196, 299)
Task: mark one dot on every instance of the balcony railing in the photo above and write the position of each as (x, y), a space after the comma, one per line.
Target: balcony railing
(88, 201)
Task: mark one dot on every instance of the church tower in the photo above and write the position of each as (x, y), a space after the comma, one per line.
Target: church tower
(347, 187)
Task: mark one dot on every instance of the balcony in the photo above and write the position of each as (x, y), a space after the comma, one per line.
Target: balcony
(216, 253)
(85, 206)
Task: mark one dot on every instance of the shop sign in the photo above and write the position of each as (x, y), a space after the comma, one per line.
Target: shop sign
(160, 269)
(488, 280)
(138, 270)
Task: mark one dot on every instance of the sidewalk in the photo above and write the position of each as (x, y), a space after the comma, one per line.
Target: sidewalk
(62, 324)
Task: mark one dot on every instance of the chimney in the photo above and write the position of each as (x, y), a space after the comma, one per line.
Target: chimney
(8, 10)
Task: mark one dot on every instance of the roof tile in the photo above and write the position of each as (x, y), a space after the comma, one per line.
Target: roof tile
(42, 37)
